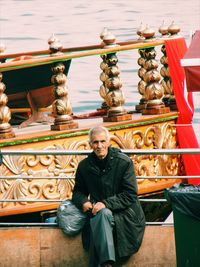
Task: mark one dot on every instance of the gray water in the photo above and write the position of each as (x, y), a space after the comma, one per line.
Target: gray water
(27, 24)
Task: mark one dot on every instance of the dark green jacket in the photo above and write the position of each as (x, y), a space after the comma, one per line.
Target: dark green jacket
(116, 187)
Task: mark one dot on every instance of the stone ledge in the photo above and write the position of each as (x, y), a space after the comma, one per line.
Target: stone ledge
(47, 247)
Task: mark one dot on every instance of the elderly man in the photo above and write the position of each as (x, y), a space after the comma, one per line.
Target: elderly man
(106, 189)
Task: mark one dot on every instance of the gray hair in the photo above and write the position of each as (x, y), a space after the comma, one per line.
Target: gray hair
(97, 130)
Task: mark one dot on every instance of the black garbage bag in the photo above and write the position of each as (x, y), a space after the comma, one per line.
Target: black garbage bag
(185, 198)
(70, 219)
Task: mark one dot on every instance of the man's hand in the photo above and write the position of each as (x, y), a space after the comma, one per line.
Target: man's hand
(97, 207)
(87, 206)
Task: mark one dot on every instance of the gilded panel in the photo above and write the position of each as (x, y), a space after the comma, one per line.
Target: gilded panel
(158, 135)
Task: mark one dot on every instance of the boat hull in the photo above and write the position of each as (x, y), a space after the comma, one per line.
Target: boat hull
(139, 133)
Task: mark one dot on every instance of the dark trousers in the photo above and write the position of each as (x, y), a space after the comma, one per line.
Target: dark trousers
(101, 238)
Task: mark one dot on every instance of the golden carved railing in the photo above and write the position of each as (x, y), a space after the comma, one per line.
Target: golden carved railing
(154, 86)
(32, 166)
(22, 199)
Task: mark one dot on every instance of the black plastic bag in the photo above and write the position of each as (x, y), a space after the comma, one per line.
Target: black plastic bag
(70, 219)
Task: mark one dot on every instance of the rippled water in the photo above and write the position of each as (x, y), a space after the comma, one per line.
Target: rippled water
(27, 24)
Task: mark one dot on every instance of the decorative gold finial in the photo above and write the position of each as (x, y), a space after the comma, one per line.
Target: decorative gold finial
(103, 33)
(109, 40)
(173, 29)
(148, 33)
(140, 31)
(55, 45)
(2, 48)
(163, 30)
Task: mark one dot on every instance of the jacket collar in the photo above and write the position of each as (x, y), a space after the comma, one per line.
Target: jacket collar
(112, 152)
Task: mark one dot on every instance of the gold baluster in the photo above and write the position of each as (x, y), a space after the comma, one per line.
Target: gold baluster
(169, 98)
(5, 114)
(61, 105)
(141, 72)
(166, 81)
(154, 91)
(113, 94)
(173, 30)
(164, 71)
(103, 90)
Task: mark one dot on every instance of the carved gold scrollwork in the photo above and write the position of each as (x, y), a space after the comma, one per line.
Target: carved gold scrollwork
(14, 163)
(155, 136)
(65, 188)
(16, 190)
(34, 189)
(36, 166)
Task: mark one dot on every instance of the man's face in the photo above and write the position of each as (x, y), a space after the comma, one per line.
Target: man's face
(100, 144)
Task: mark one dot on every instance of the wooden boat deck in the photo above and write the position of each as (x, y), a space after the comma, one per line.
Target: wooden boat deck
(41, 130)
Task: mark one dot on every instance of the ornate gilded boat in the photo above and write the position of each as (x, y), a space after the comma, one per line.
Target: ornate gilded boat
(150, 125)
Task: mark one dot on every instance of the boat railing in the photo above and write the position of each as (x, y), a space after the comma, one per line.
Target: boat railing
(153, 74)
(129, 152)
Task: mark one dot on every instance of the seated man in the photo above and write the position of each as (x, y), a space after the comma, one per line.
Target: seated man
(106, 188)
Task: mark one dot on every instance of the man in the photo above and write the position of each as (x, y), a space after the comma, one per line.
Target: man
(106, 188)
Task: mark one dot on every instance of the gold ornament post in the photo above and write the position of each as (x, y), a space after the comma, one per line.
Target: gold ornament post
(55, 46)
(142, 84)
(169, 98)
(5, 114)
(166, 81)
(164, 71)
(103, 90)
(111, 88)
(61, 106)
(173, 30)
(141, 72)
(154, 91)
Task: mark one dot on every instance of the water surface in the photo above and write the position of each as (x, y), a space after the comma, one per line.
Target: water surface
(27, 24)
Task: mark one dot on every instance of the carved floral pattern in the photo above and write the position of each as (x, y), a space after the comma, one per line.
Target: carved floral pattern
(162, 136)
(154, 136)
